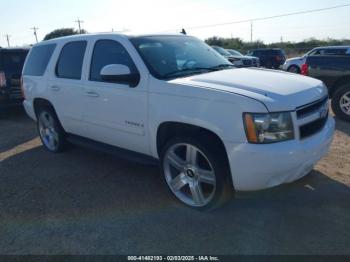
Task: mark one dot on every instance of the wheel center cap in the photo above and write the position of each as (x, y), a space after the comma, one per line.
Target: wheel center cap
(190, 173)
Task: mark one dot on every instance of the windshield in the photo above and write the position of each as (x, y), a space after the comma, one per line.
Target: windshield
(175, 56)
(221, 51)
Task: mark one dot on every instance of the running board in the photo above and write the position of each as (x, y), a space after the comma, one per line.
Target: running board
(112, 150)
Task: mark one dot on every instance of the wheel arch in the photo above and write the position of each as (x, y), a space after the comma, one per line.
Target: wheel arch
(345, 80)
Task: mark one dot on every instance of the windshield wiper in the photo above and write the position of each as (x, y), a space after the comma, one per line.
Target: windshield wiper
(221, 66)
(189, 70)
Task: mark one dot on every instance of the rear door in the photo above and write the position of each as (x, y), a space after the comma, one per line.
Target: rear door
(65, 85)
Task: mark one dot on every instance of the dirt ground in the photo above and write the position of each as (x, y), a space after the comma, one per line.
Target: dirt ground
(337, 163)
(86, 202)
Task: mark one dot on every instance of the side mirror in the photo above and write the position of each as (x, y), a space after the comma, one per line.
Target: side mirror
(117, 73)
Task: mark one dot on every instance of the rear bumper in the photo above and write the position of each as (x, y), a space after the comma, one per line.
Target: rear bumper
(255, 167)
(28, 106)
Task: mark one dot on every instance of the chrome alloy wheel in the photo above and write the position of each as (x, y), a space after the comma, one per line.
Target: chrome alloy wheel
(344, 103)
(48, 133)
(189, 174)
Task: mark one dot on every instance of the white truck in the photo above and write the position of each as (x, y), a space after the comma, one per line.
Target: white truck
(172, 99)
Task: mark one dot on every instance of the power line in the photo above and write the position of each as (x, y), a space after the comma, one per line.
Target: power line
(267, 17)
(35, 33)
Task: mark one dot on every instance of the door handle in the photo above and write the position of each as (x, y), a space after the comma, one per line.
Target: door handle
(54, 88)
(92, 94)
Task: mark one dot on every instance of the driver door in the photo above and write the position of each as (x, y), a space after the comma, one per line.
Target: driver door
(116, 113)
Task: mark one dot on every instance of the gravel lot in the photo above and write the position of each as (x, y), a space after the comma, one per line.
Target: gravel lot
(85, 202)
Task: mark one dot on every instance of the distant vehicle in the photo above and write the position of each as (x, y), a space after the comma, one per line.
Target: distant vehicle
(11, 64)
(293, 65)
(213, 127)
(269, 57)
(334, 71)
(239, 61)
(236, 54)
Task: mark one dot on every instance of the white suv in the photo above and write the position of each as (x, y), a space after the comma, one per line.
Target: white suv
(171, 98)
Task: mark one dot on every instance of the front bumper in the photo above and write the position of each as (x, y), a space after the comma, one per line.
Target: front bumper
(255, 167)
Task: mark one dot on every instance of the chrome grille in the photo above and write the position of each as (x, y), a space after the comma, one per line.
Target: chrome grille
(312, 117)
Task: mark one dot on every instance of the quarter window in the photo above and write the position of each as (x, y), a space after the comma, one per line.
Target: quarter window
(70, 62)
(107, 52)
(38, 60)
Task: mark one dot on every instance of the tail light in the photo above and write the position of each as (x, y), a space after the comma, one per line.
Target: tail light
(22, 88)
(2, 79)
(305, 69)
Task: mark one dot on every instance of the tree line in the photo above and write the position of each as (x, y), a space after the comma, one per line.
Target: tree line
(289, 47)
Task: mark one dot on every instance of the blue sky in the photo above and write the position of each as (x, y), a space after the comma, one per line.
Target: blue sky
(17, 17)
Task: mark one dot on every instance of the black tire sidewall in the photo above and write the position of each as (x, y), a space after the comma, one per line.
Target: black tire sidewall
(58, 128)
(293, 66)
(224, 186)
(336, 102)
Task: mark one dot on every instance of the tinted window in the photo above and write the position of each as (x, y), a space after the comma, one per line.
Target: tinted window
(38, 60)
(107, 52)
(13, 60)
(335, 51)
(70, 62)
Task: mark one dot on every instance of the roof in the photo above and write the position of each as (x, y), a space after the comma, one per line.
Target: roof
(332, 47)
(85, 36)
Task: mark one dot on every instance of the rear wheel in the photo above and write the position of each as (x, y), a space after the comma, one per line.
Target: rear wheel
(50, 131)
(341, 103)
(294, 69)
(197, 175)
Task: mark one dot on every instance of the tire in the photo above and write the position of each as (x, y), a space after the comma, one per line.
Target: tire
(50, 130)
(202, 182)
(294, 69)
(341, 102)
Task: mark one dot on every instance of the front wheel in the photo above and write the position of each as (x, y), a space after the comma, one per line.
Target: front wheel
(341, 103)
(196, 174)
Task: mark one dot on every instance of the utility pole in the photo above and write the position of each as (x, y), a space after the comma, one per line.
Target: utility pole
(251, 31)
(79, 24)
(8, 39)
(35, 33)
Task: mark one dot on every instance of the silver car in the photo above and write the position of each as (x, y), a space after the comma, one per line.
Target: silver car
(249, 60)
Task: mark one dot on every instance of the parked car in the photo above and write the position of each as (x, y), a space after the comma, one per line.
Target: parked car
(238, 61)
(254, 60)
(11, 65)
(293, 65)
(269, 57)
(334, 71)
(213, 127)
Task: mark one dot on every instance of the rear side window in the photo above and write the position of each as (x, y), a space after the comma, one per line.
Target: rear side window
(70, 62)
(107, 52)
(38, 60)
(13, 60)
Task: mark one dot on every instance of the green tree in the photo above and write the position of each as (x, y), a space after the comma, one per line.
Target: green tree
(62, 32)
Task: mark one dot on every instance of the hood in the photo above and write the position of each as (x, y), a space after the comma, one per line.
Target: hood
(251, 57)
(294, 59)
(279, 91)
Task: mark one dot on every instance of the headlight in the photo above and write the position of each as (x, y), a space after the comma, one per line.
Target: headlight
(268, 128)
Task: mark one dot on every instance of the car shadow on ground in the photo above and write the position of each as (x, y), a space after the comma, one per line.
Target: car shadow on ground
(84, 202)
(342, 126)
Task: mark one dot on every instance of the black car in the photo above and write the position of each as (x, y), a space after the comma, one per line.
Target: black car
(334, 71)
(11, 64)
(269, 57)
